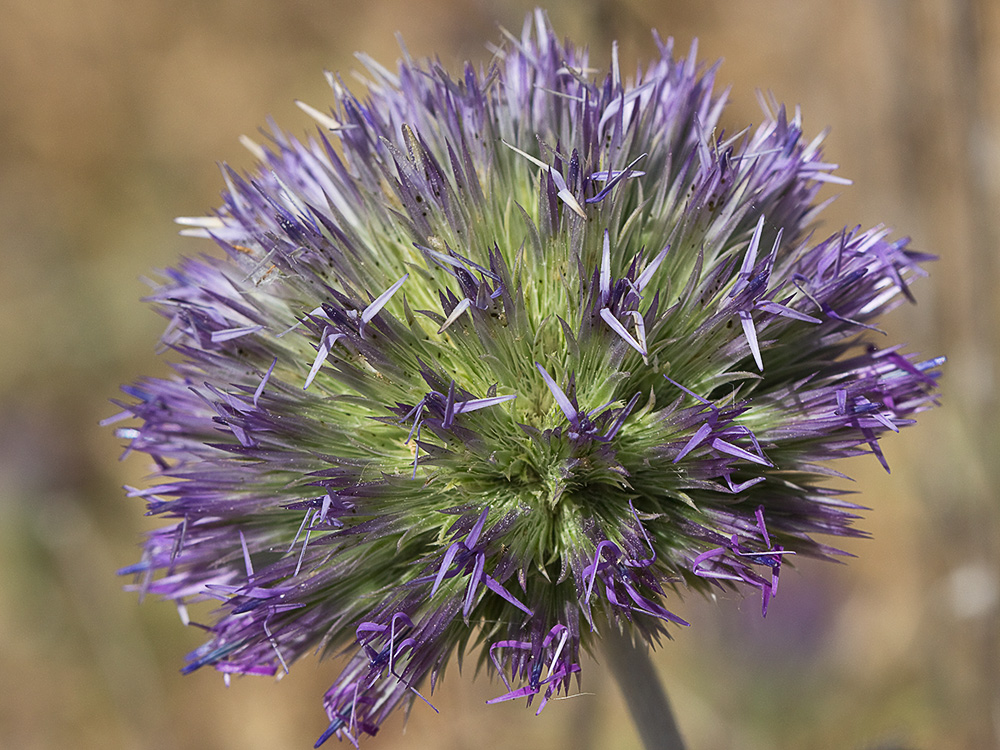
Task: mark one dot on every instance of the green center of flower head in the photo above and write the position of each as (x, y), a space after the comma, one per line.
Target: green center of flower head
(508, 355)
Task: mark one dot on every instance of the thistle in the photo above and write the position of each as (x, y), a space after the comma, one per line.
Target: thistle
(503, 362)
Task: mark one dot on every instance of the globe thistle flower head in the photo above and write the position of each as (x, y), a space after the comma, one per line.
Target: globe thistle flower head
(501, 362)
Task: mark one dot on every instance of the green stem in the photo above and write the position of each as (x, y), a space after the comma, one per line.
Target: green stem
(644, 694)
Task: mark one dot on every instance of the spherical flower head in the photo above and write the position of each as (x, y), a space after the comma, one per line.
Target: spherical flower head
(502, 361)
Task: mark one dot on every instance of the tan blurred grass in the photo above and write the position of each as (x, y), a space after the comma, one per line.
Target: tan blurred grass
(112, 117)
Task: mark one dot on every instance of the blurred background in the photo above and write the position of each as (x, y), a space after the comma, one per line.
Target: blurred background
(112, 117)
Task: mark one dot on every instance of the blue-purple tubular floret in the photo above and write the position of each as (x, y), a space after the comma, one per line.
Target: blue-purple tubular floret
(501, 361)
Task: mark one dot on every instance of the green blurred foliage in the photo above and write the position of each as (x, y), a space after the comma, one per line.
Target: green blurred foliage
(113, 114)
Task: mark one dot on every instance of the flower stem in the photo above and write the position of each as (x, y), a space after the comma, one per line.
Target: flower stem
(644, 694)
